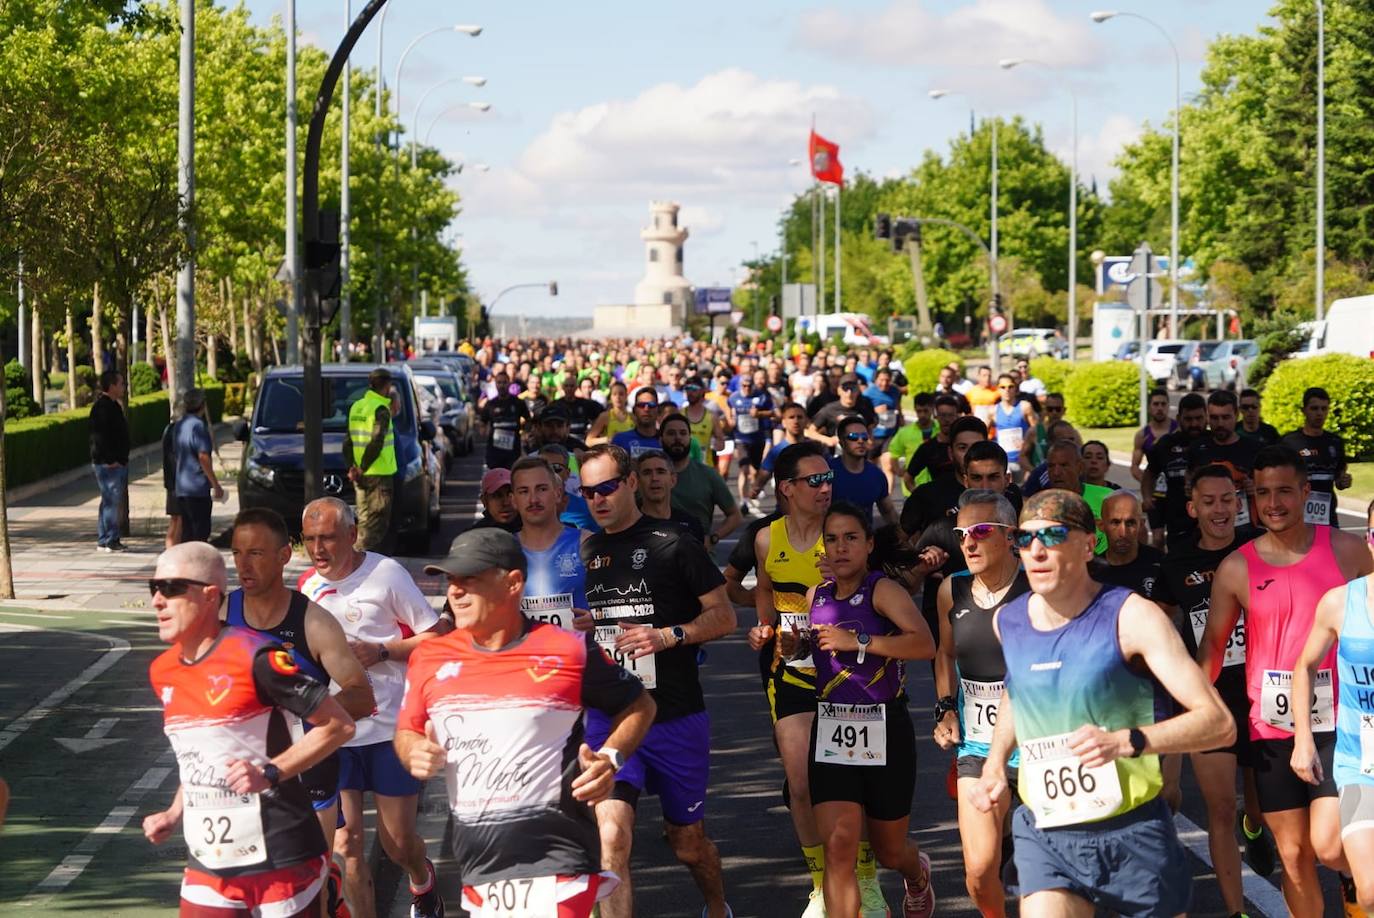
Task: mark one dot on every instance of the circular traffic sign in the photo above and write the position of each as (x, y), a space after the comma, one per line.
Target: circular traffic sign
(997, 323)
(774, 324)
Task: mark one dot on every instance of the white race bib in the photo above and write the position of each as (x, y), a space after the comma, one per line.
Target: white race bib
(746, 424)
(502, 438)
(980, 709)
(645, 667)
(1010, 439)
(801, 622)
(555, 609)
(1242, 509)
(1317, 508)
(222, 829)
(851, 734)
(1235, 644)
(1367, 744)
(1061, 790)
(1276, 703)
(527, 898)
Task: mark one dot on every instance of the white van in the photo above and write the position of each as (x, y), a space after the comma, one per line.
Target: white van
(1347, 329)
(854, 326)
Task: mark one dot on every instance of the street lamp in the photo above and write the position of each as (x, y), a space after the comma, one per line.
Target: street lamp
(415, 119)
(1103, 16)
(1321, 160)
(469, 30)
(1008, 64)
(476, 106)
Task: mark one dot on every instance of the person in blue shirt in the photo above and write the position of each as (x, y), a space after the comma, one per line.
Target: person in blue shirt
(555, 578)
(644, 435)
(751, 415)
(856, 479)
(887, 403)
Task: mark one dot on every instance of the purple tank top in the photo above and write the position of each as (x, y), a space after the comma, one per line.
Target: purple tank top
(840, 678)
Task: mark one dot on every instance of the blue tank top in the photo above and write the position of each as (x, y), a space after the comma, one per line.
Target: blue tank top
(840, 677)
(555, 580)
(289, 632)
(1355, 681)
(1012, 427)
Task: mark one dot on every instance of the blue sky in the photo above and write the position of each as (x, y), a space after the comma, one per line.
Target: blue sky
(599, 108)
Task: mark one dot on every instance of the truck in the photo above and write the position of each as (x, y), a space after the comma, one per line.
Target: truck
(1347, 329)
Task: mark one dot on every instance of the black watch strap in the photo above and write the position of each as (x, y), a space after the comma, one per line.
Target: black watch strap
(272, 773)
(1138, 742)
(943, 706)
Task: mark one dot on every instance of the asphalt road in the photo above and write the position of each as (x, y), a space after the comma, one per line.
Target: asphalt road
(81, 746)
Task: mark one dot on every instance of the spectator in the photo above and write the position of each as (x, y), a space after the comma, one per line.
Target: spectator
(169, 475)
(196, 483)
(109, 431)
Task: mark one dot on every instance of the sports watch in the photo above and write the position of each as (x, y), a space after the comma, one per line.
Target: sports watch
(272, 773)
(1138, 742)
(617, 760)
(679, 635)
(864, 641)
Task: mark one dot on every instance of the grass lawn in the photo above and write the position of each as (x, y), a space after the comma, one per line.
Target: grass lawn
(1118, 439)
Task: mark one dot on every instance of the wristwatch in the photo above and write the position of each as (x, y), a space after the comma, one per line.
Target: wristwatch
(1138, 742)
(864, 641)
(385, 654)
(617, 760)
(272, 773)
(679, 635)
(944, 706)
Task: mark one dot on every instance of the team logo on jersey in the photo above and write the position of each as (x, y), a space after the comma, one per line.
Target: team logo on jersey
(542, 669)
(598, 562)
(220, 685)
(353, 614)
(449, 670)
(567, 564)
(638, 557)
(283, 662)
(1197, 578)
(166, 694)
(857, 599)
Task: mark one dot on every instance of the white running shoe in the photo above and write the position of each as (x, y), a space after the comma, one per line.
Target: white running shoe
(815, 905)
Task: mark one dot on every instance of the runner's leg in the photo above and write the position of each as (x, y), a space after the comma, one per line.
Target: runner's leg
(1216, 777)
(1301, 887)
(898, 851)
(348, 841)
(1359, 850)
(396, 829)
(794, 748)
(695, 851)
(981, 837)
(840, 824)
(1055, 903)
(616, 821)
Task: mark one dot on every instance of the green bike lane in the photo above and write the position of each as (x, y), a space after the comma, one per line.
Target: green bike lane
(81, 747)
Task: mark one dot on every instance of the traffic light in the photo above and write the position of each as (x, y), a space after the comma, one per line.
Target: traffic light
(553, 288)
(882, 226)
(322, 258)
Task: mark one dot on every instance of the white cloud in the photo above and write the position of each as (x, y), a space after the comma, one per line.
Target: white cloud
(1098, 150)
(907, 34)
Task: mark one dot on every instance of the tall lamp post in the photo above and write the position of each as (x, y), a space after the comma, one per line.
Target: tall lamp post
(1103, 16)
(1321, 160)
(434, 122)
(1008, 64)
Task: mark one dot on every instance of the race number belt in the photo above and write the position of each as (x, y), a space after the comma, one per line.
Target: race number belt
(222, 829)
(554, 610)
(1060, 789)
(980, 709)
(1276, 703)
(746, 424)
(645, 667)
(526, 898)
(1235, 644)
(502, 438)
(801, 623)
(851, 734)
(1317, 508)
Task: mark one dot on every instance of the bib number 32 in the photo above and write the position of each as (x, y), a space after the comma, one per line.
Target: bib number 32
(223, 829)
(529, 898)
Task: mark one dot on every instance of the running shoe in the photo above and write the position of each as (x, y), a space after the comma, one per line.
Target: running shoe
(815, 905)
(427, 904)
(335, 905)
(117, 545)
(872, 902)
(706, 911)
(919, 904)
(104, 549)
(1349, 899)
(1259, 849)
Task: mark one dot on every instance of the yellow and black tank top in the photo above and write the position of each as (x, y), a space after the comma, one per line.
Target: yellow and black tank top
(793, 571)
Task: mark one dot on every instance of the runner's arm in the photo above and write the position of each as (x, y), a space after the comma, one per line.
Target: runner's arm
(1325, 632)
(1137, 454)
(1352, 554)
(326, 637)
(945, 667)
(597, 432)
(717, 618)
(894, 603)
(992, 783)
(1230, 585)
(157, 827)
(280, 682)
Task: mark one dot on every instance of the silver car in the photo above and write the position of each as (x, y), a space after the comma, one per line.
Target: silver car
(1226, 364)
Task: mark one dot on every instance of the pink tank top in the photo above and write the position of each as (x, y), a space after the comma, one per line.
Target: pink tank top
(1279, 616)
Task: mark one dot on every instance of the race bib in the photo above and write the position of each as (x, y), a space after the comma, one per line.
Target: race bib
(1242, 509)
(1061, 790)
(1010, 439)
(1276, 702)
(222, 829)
(1235, 644)
(801, 623)
(980, 709)
(1317, 508)
(746, 424)
(1367, 744)
(645, 667)
(502, 438)
(529, 898)
(851, 734)
(553, 610)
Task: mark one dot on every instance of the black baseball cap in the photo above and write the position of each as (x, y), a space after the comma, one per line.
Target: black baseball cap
(479, 550)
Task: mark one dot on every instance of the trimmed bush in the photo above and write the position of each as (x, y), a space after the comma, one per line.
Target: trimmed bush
(143, 379)
(1348, 379)
(922, 368)
(1104, 394)
(1051, 371)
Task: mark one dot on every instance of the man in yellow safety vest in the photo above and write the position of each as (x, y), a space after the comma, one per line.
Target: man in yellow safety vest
(370, 451)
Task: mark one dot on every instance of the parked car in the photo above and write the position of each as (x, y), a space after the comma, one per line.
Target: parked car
(273, 470)
(1033, 342)
(1168, 362)
(1226, 364)
(457, 415)
(1129, 350)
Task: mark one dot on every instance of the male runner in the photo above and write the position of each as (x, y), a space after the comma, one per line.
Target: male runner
(554, 578)
(857, 480)
(498, 506)
(1012, 422)
(253, 843)
(1170, 459)
(501, 418)
(1082, 663)
(1324, 453)
(751, 417)
(699, 490)
(982, 395)
(850, 402)
(577, 405)
(1157, 427)
(372, 596)
(1223, 446)
(887, 404)
(932, 458)
(1126, 563)
(504, 689)
(653, 593)
(793, 426)
(657, 479)
(938, 498)
(1252, 424)
(901, 449)
(1277, 581)
(644, 435)
(704, 419)
(1051, 413)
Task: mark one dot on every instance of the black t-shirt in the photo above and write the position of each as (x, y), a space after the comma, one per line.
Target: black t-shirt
(933, 454)
(932, 501)
(1238, 456)
(581, 412)
(1185, 582)
(653, 573)
(689, 523)
(825, 418)
(1266, 434)
(1169, 460)
(1325, 458)
(503, 415)
(742, 557)
(816, 402)
(1141, 575)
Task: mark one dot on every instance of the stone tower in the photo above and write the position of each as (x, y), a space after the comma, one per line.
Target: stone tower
(663, 283)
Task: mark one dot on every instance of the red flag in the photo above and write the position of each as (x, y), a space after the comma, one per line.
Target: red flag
(825, 160)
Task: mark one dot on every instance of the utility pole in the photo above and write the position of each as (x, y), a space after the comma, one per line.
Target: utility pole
(345, 212)
(293, 299)
(186, 188)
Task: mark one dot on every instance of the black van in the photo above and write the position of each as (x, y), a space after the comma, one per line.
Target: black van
(273, 470)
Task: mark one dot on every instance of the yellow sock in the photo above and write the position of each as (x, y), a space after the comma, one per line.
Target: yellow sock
(814, 856)
(867, 868)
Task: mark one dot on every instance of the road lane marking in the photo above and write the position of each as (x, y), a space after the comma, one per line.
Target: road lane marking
(13, 627)
(45, 616)
(1263, 896)
(118, 647)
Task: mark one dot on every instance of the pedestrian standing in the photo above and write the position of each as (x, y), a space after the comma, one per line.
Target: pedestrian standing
(196, 483)
(110, 457)
(169, 474)
(370, 451)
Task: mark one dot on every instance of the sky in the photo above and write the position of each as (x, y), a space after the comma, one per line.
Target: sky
(598, 109)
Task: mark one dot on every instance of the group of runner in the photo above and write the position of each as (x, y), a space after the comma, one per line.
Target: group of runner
(1074, 664)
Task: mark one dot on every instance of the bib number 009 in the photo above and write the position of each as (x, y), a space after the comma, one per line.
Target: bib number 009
(526, 898)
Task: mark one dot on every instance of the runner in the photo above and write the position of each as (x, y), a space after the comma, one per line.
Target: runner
(1063, 464)
(1223, 446)
(1184, 590)
(615, 419)
(1344, 618)
(372, 596)
(969, 676)
(501, 417)
(887, 404)
(1276, 581)
(1126, 563)
(937, 499)
(253, 843)
(554, 577)
(750, 416)
(1251, 422)
(1158, 426)
(657, 480)
(1324, 453)
(698, 490)
(644, 435)
(793, 428)
(862, 756)
(1079, 661)
(704, 419)
(901, 449)
(498, 506)
(1012, 421)
(982, 395)
(506, 689)
(850, 402)
(1097, 463)
(857, 479)
(653, 593)
(932, 459)
(1051, 413)
(1167, 471)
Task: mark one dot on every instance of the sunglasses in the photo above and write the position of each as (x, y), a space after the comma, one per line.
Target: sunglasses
(650, 405)
(818, 479)
(691, 388)
(979, 531)
(1369, 536)
(172, 587)
(856, 437)
(604, 489)
(1049, 537)
(849, 387)
(1006, 387)
(558, 467)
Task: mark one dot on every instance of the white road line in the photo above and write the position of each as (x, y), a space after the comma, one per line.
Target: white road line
(121, 622)
(13, 627)
(46, 616)
(147, 613)
(1264, 897)
(112, 655)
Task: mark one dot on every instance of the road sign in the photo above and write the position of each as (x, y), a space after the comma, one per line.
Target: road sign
(714, 301)
(997, 324)
(774, 324)
(1143, 291)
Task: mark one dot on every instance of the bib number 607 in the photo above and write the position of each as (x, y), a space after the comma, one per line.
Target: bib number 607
(1067, 781)
(509, 895)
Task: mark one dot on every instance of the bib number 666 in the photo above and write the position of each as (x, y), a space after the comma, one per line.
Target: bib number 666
(1067, 781)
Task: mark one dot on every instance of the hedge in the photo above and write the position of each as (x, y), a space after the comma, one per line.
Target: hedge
(1052, 371)
(1104, 394)
(51, 443)
(922, 368)
(1348, 379)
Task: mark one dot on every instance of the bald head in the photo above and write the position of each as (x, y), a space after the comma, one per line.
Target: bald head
(1122, 521)
(1121, 503)
(194, 561)
(329, 509)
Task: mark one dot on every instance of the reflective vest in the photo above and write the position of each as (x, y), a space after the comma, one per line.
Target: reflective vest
(361, 418)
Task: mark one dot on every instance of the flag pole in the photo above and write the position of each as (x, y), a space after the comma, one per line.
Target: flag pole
(838, 186)
(820, 260)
